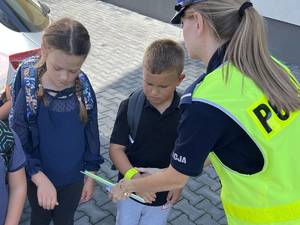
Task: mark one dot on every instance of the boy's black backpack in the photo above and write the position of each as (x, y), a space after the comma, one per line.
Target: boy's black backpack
(7, 144)
(135, 108)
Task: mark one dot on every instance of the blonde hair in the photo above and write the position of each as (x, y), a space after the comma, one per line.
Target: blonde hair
(248, 50)
(71, 37)
(164, 55)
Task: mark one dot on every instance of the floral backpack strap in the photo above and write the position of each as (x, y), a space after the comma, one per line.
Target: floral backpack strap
(25, 77)
(86, 90)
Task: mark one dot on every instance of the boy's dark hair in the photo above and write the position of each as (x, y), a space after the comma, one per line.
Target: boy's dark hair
(164, 55)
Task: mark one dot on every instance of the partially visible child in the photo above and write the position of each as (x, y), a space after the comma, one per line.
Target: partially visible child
(5, 103)
(62, 137)
(162, 72)
(12, 177)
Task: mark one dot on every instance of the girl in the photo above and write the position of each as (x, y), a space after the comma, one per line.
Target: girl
(61, 138)
(243, 113)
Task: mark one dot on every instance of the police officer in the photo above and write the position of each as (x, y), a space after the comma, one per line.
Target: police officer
(243, 113)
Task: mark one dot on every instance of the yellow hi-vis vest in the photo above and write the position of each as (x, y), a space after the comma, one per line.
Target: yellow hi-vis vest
(271, 196)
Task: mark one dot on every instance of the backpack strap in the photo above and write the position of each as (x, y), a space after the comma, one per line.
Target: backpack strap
(134, 112)
(25, 77)
(86, 91)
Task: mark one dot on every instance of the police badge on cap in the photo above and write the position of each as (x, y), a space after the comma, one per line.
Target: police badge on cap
(180, 7)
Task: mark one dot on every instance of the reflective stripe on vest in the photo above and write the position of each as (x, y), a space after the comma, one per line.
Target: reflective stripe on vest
(281, 213)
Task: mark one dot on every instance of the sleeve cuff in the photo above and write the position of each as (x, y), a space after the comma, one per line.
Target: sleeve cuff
(18, 168)
(93, 165)
(32, 169)
(185, 170)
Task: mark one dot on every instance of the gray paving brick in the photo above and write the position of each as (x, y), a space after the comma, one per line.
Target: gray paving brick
(206, 219)
(192, 197)
(210, 209)
(192, 212)
(107, 221)
(214, 184)
(223, 221)
(175, 213)
(94, 212)
(194, 185)
(83, 220)
(209, 194)
(182, 220)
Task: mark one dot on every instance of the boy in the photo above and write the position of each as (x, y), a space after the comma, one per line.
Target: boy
(12, 177)
(156, 133)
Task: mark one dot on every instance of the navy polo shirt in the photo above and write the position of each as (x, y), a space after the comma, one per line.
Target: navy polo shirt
(204, 129)
(155, 137)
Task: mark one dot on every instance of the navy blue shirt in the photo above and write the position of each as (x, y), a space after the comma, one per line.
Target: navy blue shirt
(204, 129)
(65, 144)
(17, 162)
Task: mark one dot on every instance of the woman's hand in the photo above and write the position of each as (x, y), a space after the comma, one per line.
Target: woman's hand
(46, 192)
(120, 191)
(173, 196)
(147, 196)
(88, 190)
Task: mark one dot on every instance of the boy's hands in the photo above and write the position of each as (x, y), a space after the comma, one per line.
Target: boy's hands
(147, 196)
(88, 190)
(46, 192)
(173, 196)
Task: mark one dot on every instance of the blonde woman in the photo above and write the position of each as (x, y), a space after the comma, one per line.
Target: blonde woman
(243, 113)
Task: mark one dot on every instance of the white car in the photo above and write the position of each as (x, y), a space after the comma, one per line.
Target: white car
(21, 23)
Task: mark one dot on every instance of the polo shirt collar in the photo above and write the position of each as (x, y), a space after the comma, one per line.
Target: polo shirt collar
(174, 105)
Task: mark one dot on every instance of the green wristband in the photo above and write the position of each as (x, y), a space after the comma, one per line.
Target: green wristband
(130, 173)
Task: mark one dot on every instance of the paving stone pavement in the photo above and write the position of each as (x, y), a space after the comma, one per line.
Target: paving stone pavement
(119, 38)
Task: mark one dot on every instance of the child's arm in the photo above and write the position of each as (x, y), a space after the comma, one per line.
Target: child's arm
(4, 109)
(121, 162)
(88, 189)
(92, 157)
(46, 192)
(119, 158)
(17, 194)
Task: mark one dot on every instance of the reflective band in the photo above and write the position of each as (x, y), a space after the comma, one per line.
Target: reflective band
(288, 212)
(130, 173)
